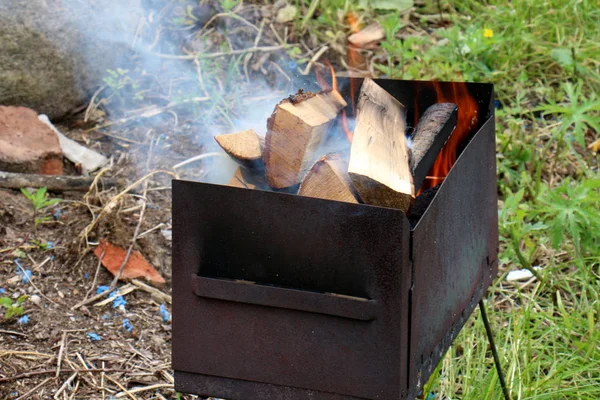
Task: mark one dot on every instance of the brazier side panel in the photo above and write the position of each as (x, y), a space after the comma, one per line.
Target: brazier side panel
(455, 246)
(290, 291)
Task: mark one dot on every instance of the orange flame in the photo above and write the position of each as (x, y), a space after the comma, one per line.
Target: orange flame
(323, 82)
(466, 120)
(334, 86)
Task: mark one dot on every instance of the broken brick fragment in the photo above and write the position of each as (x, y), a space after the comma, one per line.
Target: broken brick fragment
(27, 145)
(137, 267)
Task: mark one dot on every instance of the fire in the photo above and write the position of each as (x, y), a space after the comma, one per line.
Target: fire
(334, 86)
(355, 59)
(466, 121)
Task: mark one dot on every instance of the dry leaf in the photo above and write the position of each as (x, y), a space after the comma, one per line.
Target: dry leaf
(136, 267)
(595, 146)
(372, 33)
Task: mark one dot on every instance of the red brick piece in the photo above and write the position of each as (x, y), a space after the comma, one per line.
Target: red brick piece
(27, 144)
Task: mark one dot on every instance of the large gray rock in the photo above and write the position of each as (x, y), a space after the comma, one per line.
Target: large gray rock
(54, 53)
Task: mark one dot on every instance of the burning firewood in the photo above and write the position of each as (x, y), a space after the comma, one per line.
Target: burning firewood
(432, 132)
(328, 179)
(294, 131)
(244, 147)
(379, 157)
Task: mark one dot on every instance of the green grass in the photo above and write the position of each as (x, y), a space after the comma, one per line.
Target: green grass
(544, 59)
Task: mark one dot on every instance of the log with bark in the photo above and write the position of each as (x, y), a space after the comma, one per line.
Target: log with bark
(294, 131)
(245, 148)
(432, 132)
(328, 179)
(54, 183)
(379, 157)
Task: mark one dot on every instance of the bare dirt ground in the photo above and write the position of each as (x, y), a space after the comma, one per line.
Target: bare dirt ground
(58, 344)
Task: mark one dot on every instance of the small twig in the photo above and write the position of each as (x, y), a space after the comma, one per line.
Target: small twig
(102, 381)
(152, 112)
(146, 388)
(23, 353)
(116, 198)
(278, 68)
(151, 230)
(127, 392)
(83, 363)
(95, 277)
(52, 371)
(64, 385)
(75, 389)
(35, 287)
(140, 220)
(153, 291)
(121, 292)
(12, 333)
(63, 341)
(197, 158)
(259, 34)
(92, 104)
(314, 59)
(26, 395)
(222, 53)
(10, 250)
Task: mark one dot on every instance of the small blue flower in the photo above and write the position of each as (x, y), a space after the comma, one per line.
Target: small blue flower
(49, 245)
(26, 276)
(119, 300)
(94, 336)
(292, 65)
(101, 289)
(57, 213)
(2, 290)
(23, 320)
(86, 276)
(166, 316)
(127, 325)
(105, 317)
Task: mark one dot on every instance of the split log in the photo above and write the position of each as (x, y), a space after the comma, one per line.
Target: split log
(379, 157)
(54, 183)
(244, 147)
(294, 131)
(246, 179)
(328, 179)
(432, 132)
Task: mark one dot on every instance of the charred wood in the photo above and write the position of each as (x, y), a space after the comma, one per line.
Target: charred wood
(432, 132)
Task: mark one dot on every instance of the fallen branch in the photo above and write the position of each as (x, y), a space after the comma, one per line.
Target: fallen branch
(12, 333)
(54, 183)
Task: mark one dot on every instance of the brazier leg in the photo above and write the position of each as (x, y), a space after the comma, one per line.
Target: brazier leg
(488, 330)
